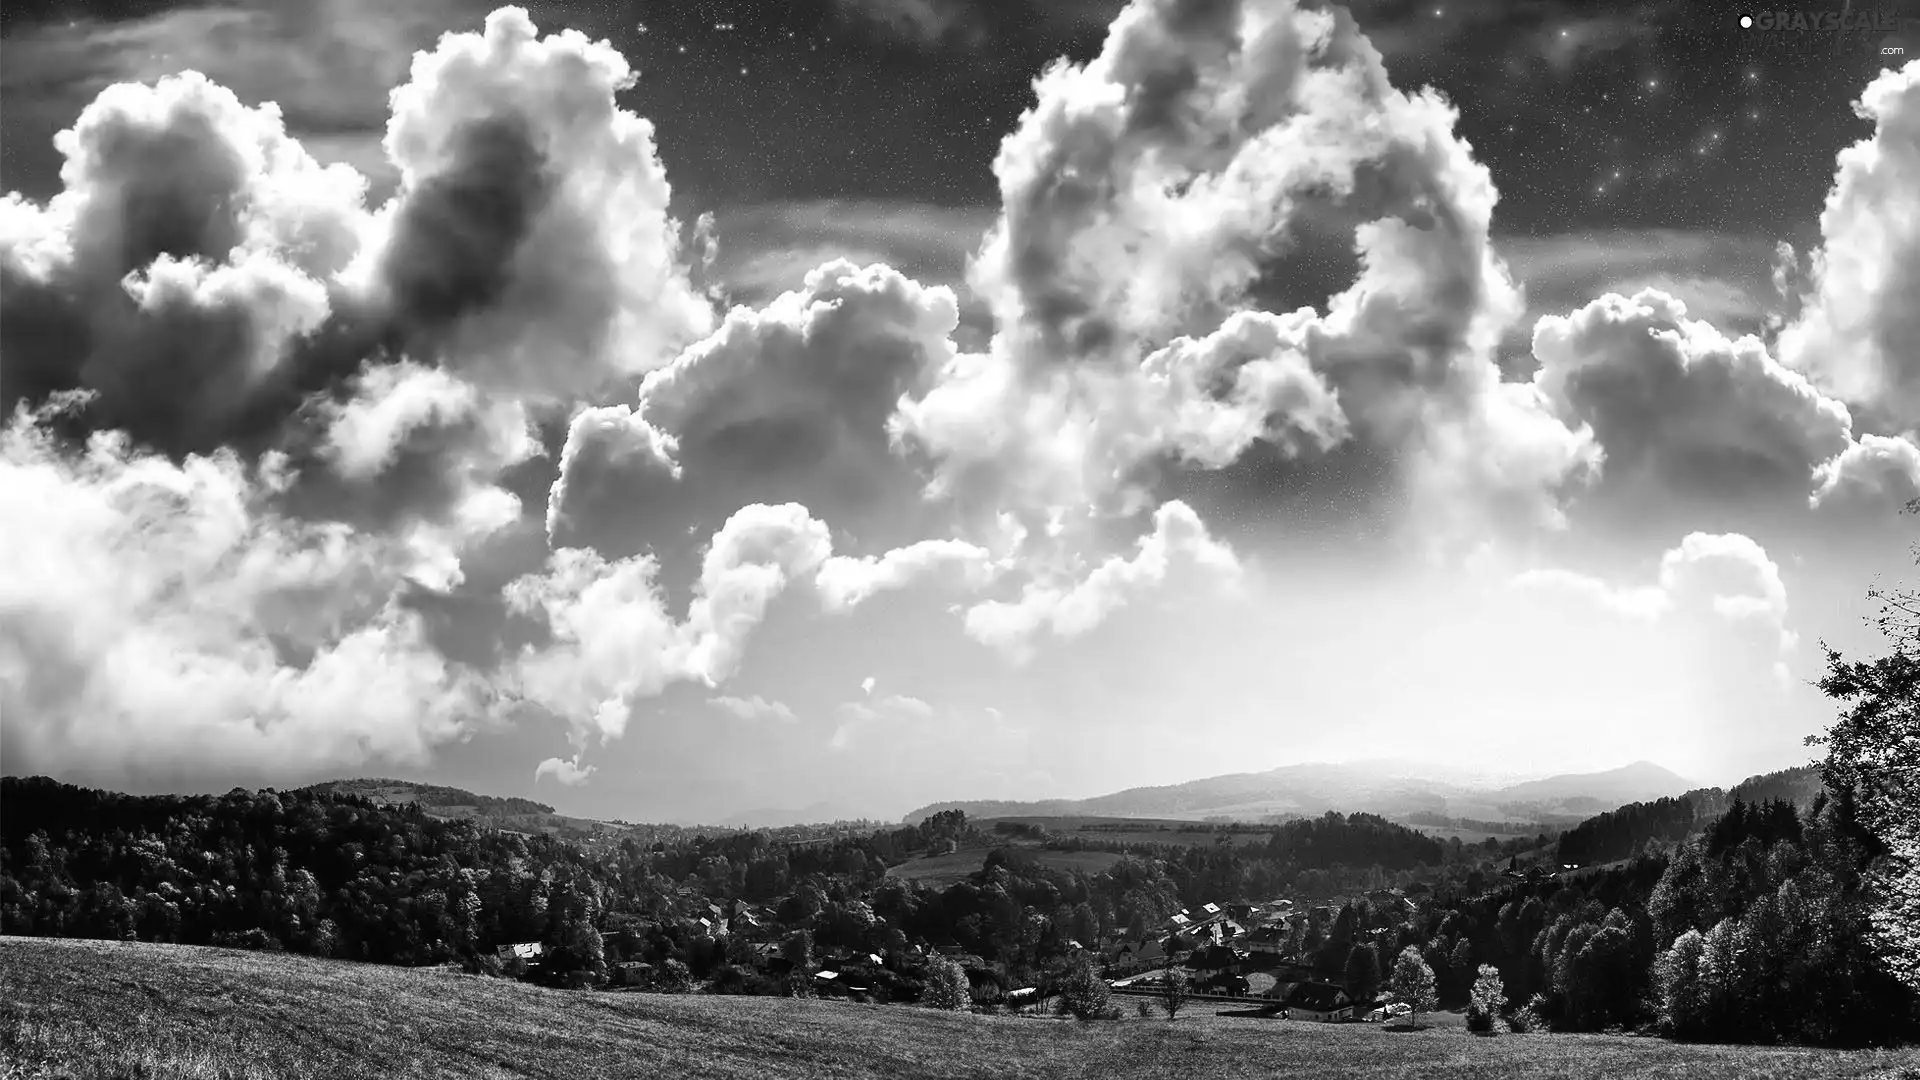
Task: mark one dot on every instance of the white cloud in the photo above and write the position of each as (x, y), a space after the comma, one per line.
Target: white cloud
(572, 272)
(1754, 593)
(160, 618)
(613, 640)
(1678, 405)
(1153, 195)
(867, 684)
(567, 771)
(845, 581)
(1070, 609)
(753, 708)
(1859, 330)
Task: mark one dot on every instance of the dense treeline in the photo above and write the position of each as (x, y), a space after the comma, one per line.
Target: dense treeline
(433, 795)
(333, 874)
(1628, 831)
(1635, 828)
(1754, 932)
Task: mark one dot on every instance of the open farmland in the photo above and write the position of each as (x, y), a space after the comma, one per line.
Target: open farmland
(1171, 832)
(90, 1010)
(940, 871)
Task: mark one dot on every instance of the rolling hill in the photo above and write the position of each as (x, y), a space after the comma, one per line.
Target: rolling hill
(523, 815)
(1389, 788)
(97, 1009)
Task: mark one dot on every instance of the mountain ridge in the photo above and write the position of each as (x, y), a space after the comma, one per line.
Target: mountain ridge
(1376, 786)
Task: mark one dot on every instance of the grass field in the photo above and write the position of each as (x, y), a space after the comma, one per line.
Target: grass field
(939, 871)
(86, 1010)
(1163, 831)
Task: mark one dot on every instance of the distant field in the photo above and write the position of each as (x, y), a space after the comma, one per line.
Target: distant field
(90, 1010)
(940, 871)
(1171, 832)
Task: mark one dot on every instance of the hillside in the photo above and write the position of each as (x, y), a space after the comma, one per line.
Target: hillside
(1639, 782)
(1387, 787)
(92, 1009)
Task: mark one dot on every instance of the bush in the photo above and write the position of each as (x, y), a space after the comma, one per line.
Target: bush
(1485, 1001)
(947, 986)
(1528, 1017)
(1145, 1007)
(1083, 994)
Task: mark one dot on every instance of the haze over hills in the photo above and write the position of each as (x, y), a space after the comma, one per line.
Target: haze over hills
(1387, 787)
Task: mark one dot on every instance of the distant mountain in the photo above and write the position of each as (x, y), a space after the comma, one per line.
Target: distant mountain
(1641, 781)
(1389, 787)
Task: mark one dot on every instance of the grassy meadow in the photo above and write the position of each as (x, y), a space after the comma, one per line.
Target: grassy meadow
(89, 1009)
(940, 871)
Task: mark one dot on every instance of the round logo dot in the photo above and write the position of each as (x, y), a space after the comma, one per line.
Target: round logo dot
(1746, 22)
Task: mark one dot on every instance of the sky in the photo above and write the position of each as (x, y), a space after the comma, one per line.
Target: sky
(674, 410)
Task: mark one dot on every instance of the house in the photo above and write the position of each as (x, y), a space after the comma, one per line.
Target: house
(529, 951)
(1215, 960)
(718, 917)
(1023, 997)
(1267, 939)
(632, 973)
(1319, 1001)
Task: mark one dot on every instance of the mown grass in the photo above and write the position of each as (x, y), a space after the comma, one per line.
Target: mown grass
(942, 870)
(89, 1010)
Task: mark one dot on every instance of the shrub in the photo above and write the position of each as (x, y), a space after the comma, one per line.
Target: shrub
(1485, 1001)
(1145, 1007)
(1528, 1017)
(1083, 994)
(947, 986)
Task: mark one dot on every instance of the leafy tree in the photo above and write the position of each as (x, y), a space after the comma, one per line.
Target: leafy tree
(1873, 770)
(1413, 983)
(1173, 992)
(1676, 980)
(1083, 993)
(1362, 971)
(1484, 1003)
(947, 986)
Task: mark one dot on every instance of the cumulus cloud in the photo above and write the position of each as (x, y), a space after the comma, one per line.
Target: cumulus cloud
(1858, 333)
(251, 419)
(1070, 609)
(161, 617)
(788, 401)
(1156, 197)
(530, 244)
(845, 581)
(1730, 571)
(1679, 406)
(753, 708)
(567, 771)
(613, 640)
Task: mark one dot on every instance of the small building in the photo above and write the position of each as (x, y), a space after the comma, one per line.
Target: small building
(632, 973)
(530, 951)
(1318, 1001)
(1215, 960)
(1024, 997)
(1266, 939)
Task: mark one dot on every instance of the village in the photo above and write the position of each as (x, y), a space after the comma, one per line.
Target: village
(1245, 953)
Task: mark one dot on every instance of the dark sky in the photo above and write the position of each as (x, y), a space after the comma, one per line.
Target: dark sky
(1662, 115)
